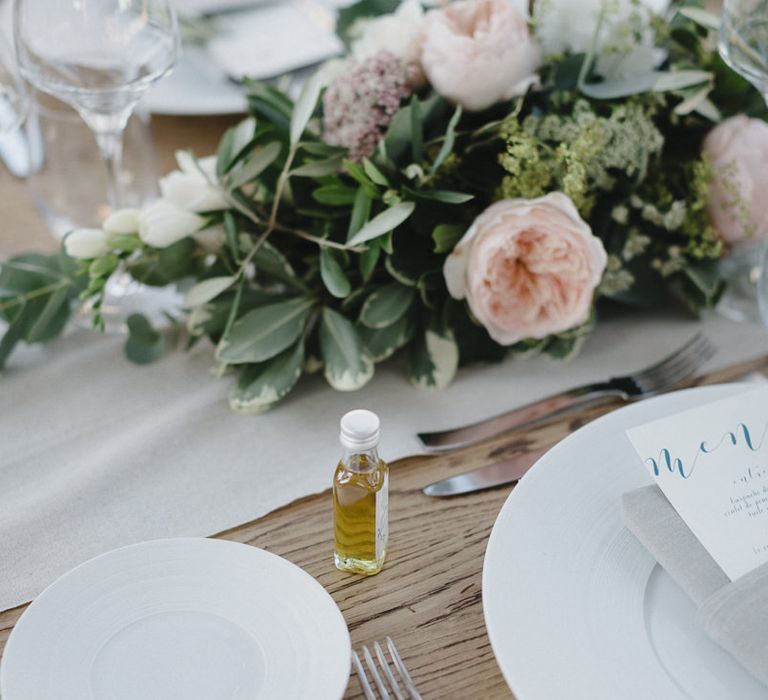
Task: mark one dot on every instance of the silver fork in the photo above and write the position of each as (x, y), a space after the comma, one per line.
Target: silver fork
(398, 684)
(656, 379)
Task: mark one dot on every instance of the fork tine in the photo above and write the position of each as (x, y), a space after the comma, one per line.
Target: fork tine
(367, 691)
(677, 367)
(406, 677)
(375, 673)
(387, 672)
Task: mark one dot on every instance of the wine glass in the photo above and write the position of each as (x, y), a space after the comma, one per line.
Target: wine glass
(99, 56)
(744, 47)
(13, 97)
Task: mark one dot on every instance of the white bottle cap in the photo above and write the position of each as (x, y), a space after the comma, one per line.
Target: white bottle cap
(360, 430)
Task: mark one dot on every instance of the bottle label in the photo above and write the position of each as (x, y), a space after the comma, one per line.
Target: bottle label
(382, 520)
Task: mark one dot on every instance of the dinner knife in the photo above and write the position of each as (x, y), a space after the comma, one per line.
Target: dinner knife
(496, 474)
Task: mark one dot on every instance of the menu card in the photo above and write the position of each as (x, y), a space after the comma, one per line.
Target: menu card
(711, 462)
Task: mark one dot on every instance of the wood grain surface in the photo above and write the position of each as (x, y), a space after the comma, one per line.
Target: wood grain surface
(428, 597)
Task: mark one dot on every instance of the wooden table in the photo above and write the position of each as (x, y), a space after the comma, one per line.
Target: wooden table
(428, 597)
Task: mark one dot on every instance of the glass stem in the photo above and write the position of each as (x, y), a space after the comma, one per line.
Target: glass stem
(110, 143)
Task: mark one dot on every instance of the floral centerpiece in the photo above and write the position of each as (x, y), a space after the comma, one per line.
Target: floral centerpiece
(468, 182)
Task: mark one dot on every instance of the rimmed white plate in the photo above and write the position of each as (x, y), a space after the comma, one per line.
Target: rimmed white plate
(186, 619)
(575, 606)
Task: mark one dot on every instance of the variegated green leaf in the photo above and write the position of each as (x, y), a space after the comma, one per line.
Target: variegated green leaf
(332, 274)
(264, 332)
(347, 365)
(385, 342)
(433, 360)
(261, 386)
(386, 305)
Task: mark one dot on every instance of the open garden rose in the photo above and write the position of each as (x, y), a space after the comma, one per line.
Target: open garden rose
(479, 52)
(737, 150)
(527, 268)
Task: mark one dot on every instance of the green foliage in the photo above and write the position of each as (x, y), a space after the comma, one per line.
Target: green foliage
(329, 262)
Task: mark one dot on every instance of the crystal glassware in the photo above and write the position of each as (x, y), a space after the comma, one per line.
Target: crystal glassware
(100, 57)
(13, 97)
(744, 47)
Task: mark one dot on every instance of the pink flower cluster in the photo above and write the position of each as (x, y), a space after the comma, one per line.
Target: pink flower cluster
(360, 103)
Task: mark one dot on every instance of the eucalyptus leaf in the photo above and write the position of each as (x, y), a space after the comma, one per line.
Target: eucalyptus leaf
(702, 17)
(374, 173)
(383, 223)
(677, 80)
(433, 360)
(361, 211)
(261, 386)
(347, 365)
(319, 168)
(446, 236)
(305, 105)
(386, 305)
(334, 195)
(254, 165)
(448, 142)
(144, 344)
(382, 343)
(207, 290)
(333, 276)
(49, 318)
(264, 332)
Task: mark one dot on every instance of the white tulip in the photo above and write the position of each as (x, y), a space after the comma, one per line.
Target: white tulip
(190, 187)
(86, 243)
(122, 222)
(162, 224)
(211, 239)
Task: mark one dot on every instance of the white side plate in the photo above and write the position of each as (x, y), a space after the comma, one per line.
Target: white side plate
(186, 619)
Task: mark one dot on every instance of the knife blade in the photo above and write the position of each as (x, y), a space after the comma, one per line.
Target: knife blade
(497, 474)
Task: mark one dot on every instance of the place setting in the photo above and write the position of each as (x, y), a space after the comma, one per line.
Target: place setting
(383, 349)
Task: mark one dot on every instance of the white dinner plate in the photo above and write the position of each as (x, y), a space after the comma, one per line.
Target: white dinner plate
(575, 606)
(179, 619)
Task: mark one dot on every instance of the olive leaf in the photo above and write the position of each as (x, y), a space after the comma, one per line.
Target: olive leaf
(383, 223)
(264, 332)
(207, 290)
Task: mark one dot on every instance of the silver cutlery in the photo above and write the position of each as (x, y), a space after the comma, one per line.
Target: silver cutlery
(512, 470)
(653, 380)
(390, 678)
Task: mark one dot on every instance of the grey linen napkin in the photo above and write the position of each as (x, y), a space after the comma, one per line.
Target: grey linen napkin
(733, 614)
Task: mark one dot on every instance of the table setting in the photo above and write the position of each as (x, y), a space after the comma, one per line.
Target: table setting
(383, 349)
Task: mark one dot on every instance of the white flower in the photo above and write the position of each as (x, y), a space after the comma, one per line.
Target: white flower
(162, 224)
(211, 239)
(625, 42)
(122, 222)
(191, 189)
(399, 33)
(86, 243)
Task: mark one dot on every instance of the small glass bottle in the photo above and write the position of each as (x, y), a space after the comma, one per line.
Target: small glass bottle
(360, 497)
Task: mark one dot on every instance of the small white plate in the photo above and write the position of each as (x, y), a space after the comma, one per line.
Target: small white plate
(575, 606)
(180, 619)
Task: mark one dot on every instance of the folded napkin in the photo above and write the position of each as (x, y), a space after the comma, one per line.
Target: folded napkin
(733, 614)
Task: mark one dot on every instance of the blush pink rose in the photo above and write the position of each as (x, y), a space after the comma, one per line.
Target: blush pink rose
(528, 268)
(479, 52)
(737, 149)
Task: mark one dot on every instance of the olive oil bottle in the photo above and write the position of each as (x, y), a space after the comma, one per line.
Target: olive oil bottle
(360, 497)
